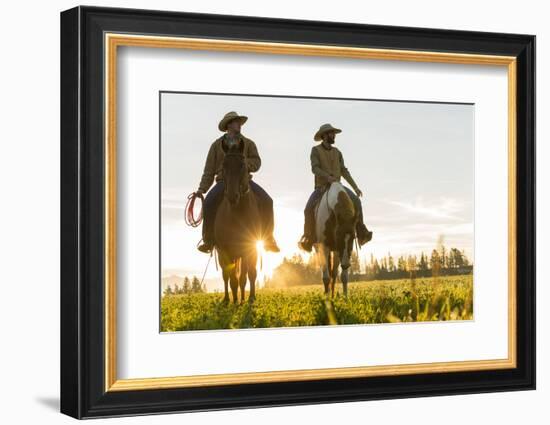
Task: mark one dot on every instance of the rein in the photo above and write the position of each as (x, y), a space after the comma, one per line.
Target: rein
(215, 254)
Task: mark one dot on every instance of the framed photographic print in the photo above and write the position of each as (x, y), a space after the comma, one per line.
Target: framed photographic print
(261, 212)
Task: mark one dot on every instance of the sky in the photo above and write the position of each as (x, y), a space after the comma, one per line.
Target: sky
(413, 161)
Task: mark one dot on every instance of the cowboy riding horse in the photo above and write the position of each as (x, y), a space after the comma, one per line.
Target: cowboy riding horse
(232, 139)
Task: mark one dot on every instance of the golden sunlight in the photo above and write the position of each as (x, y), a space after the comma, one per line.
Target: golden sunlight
(260, 247)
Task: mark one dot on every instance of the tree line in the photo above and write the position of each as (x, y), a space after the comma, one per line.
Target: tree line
(440, 262)
(189, 286)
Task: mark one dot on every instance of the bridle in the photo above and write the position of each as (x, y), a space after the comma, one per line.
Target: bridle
(244, 185)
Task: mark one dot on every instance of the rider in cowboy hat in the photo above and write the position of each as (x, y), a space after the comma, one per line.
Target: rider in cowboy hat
(213, 169)
(327, 164)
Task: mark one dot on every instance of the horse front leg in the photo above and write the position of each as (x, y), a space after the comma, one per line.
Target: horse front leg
(234, 283)
(334, 273)
(326, 281)
(252, 274)
(224, 265)
(326, 272)
(226, 286)
(322, 262)
(344, 278)
(242, 278)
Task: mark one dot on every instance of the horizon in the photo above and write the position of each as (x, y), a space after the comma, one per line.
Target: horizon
(216, 285)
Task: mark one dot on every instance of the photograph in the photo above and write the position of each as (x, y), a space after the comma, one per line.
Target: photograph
(286, 211)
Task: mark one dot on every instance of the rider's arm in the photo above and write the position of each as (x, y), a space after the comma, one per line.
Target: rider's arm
(253, 160)
(316, 164)
(346, 174)
(209, 170)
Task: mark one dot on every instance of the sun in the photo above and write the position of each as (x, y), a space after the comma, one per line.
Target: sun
(260, 246)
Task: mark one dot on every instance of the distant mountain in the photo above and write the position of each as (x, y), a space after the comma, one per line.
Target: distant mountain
(171, 281)
(212, 284)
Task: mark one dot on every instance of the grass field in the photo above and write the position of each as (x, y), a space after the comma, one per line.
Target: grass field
(425, 299)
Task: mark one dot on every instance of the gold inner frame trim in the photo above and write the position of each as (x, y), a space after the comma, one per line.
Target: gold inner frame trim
(113, 41)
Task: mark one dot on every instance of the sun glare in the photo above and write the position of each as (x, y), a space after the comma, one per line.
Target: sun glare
(260, 246)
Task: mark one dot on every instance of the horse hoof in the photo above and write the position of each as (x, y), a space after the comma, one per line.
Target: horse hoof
(251, 300)
(225, 301)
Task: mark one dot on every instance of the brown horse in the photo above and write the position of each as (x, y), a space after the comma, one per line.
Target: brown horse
(237, 228)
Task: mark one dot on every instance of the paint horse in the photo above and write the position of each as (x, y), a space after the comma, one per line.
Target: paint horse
(335, 223)
(237, 228)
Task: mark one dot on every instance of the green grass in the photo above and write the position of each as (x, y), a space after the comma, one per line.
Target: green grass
(426, 299)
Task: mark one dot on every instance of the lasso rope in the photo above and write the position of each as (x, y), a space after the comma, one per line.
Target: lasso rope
(190, 219)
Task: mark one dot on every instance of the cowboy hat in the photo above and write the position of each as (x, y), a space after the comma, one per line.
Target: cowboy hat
(229, 117)
(323, 129)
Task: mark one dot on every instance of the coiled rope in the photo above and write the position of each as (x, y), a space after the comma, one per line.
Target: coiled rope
(190, 219)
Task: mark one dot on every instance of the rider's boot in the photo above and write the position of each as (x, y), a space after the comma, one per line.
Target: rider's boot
(207, 238)
(307, 240)
(363, 234)
(206, 247)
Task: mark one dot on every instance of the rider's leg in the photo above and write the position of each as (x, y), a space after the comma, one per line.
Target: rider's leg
(356, 202)
(363, 234)
(209, 208)
(309, 220)
(265, 205)
(309, 213)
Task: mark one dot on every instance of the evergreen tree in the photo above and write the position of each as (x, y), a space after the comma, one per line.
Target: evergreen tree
(376, 269)
(186, 285)
(435, 263)
(461, 259)
(465, 259)
(401, 265)
(391, 265)
(355, 266)
(423, 266)
(443, 257)
(384, 269)
(196, 285)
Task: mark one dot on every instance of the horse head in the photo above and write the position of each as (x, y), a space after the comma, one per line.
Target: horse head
(235, 175)
(344, 233)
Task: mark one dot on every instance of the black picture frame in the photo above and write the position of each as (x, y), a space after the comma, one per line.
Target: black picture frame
(83, 221)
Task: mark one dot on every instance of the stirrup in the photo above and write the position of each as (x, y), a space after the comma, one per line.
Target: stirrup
(206, 247)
